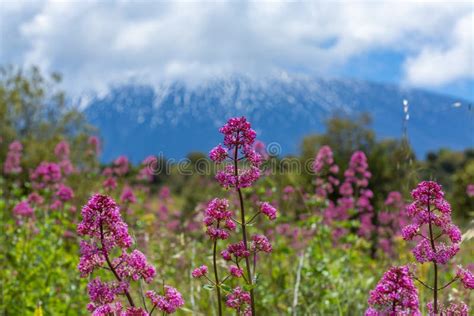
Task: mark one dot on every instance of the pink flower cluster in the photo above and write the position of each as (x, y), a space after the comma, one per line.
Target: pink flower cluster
(121, 165)
(45, 175)
(102, 296)
(62, 153)
(354, 195)
(127, 196)
(394, 295)
(391, 221)
(268, 210)
(199, 272)
(466, 277)
(326, 172)
(430, 210)
(134, 266)
(241, 170)
(453, 309)
(147, 168)
(12, 163)
(23, 209)
(94, 144)
(168, 303)
(470, 190)
(218, 213)
(239, 137)
(103, 224)
(64, 193)
(240, 301)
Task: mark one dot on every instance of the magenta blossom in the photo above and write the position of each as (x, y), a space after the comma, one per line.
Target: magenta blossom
(46, 174)
(326, 171)
(470, 190)
(430, 209)
(134, 266)
(64, 193)
(236, 271)
(101, 219)
(62, 150)
(94, 143)
(127, 196)
(12, 163)
(167, 303)
(395, 294)
(267, 209)
(121, 166)
(466, 277)
(238, 300)
(199, 272)
(218, 219)
(23, 209)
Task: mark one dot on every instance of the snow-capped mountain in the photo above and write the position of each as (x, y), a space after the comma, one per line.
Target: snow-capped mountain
(176, 118)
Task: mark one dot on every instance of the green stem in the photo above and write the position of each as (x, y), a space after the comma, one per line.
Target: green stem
(216, 276)
(244, 231)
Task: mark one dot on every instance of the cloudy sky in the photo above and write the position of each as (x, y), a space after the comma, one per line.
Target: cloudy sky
(95, 44)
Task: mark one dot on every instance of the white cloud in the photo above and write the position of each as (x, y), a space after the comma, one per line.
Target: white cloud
(97, 43)
(436, 65)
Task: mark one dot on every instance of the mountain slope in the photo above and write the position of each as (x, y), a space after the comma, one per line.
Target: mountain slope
(174, 119)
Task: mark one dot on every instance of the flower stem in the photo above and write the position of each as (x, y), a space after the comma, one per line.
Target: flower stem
(435, 282)
(243, 223)
(216, 276)
(111, 267)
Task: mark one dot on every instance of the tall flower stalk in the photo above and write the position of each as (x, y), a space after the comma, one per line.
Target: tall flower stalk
(431, 215)
(431, 224)
(241, 169)
(107, 232)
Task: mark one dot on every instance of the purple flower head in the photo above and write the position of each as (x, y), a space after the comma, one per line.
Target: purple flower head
(323, 158)
(238, 140)
(94, 143)
(238, 299)
(167, 303)
(91, 257)
(395, 294)
(110, 183)
(466, 277)
(236, 271)
(453, 309)
(470, 190)
(62, 150)
(35, 198)
(267, 209)
(218, 219)
(102, 296)
(218, 154)
(101, 220)
(245, 179)
(134, 266)
(13, 159)
(64, 193)
(128, 196)
(431, 213)
(46, 174)
(238, 250)
(121, 166)
(238, 132)
(261, 149)
(165, 193)
(23, 209)
(261, 243)
(199, 272)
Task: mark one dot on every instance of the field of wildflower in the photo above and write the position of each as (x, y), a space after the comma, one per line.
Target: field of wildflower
(357, 232)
